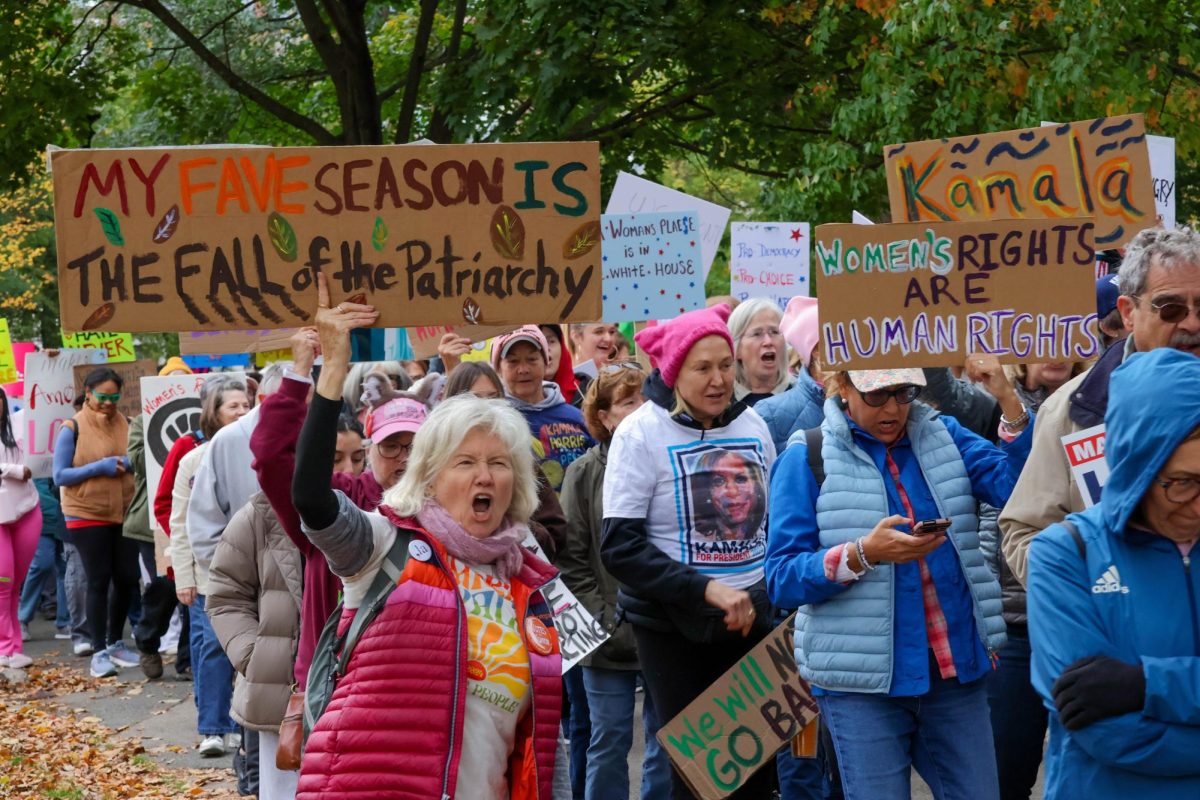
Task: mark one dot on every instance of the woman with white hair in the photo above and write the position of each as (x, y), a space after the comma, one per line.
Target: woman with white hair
(465, 622)
(761, 368)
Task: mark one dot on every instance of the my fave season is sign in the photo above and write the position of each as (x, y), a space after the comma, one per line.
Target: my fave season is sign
(1097, 168)
(926, 295)
(168, 239)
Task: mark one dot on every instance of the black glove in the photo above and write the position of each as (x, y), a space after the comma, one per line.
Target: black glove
(1098, 687)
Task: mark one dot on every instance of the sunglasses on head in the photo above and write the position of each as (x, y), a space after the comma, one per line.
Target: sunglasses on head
(878, 398)
(1172, 311)
(105, 397)
(607, 368)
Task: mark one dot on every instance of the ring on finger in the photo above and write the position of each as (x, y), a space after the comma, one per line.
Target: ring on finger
(339, 309)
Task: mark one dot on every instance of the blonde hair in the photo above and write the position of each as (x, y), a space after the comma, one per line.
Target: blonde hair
(443, 432)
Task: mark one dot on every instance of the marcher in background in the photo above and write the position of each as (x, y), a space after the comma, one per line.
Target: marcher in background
(477, 378)
(415, 369)
(611, 673)
(560, 367)
(351, 455)
(1110, 323)
(466, 497)
(20, 528)
(800, 407)
(224, 404)
(592, 344)
(696, 606)
(1160, 295)
(91, 466)
(255, 588)
(761, 368)
(896, 630)
(49, 562)
(1114, 603)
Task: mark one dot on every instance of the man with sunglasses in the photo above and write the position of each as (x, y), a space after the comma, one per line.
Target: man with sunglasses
(1160, 304)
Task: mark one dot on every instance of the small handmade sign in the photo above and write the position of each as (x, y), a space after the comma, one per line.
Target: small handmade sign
(634, 195)
(1098, 168)
(736, 726)
(651, 266)
(424, 340)
(8, 360)
(769, 260)
(926, 295)
(117, 347)
(50, 388)
(231, 238)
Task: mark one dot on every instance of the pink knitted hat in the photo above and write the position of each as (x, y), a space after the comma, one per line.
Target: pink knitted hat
(668, 343)
(799, 326)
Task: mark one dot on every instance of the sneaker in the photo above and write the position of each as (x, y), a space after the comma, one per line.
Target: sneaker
(102, 665)
(62, 633)
(83, 649)
(3, 662)
(151, 665)
(212, 746)
(184, 674)
(122, 656)
(24, 632)
(233, 741)
(19, 661)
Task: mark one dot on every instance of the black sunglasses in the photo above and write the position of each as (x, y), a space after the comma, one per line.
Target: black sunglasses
(878, 398)
(1172, 312)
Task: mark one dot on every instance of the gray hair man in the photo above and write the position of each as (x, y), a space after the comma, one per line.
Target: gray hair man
(1160, 305)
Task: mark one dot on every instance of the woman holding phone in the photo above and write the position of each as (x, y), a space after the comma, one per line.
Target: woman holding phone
(898, 621)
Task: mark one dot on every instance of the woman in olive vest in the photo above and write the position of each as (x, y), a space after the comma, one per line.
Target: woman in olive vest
(91, 466)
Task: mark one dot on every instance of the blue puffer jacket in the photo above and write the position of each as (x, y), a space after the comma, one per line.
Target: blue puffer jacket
(869, 636)
(1134, 597)
(797, 409)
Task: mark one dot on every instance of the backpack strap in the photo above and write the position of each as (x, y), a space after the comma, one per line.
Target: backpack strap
(813, 438)
(1079, 543)
(385, 581)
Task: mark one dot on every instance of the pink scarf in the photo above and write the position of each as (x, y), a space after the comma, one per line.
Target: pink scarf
(502, 549)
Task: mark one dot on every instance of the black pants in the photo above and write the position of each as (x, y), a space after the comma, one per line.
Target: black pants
(158, 605)
(108, 557)
(676, 670)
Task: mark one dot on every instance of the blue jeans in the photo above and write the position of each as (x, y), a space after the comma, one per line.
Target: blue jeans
(47, 561)
(945, 734)
(579, 729)
(212, 676)
(610, 696)
(1018, 718)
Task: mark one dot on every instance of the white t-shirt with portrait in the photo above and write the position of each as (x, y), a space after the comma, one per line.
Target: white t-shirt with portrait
(703, 494)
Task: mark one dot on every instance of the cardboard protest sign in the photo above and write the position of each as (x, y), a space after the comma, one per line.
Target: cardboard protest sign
(926, 295)
(1089, 468)
(230, 238)
(769, 260)
(634, 195)
(1097, 168)
(117, 347)
(8, 361)
(651, 265)
(578, 631)
(50, 383)
(424, 340)
(16, 389)
(170, 409)
(131, 373)
(736, 726)
(208, 343)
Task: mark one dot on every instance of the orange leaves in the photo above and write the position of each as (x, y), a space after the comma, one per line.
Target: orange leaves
(876, 8)
(1018, 77)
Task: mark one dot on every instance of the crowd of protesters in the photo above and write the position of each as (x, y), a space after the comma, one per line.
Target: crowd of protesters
(352, 557)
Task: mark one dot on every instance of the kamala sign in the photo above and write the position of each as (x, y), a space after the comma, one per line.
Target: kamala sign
(196, 239)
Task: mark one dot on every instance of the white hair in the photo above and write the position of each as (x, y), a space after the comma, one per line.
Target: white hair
(739, 322)
(1167, 247)
(443, 432)
(272, 377)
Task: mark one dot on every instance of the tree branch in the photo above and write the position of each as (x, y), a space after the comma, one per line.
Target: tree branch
(439, 121)
(416, 68)
(236, 82)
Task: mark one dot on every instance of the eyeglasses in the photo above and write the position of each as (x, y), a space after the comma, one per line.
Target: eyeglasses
(393, 449)
(878, 398)
(1180, 490)
(1172, 312)
(763, 333)
(104, 397)
(611, 368)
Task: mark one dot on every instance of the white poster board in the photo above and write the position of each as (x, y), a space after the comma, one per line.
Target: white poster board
(634, 195)
(49, 402)
(170, 409)
(578, 631)
(769, 260)
(1162, 173)
(1085, 453)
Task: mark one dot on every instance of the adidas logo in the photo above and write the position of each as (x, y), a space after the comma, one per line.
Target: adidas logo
(1109, 582)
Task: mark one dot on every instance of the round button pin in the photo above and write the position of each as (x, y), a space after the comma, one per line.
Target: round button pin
(539, 636)
(420, 550)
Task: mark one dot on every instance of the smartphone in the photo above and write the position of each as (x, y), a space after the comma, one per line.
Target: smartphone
(928, 527)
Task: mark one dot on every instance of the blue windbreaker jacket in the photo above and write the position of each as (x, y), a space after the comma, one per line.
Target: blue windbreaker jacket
(1133, 597)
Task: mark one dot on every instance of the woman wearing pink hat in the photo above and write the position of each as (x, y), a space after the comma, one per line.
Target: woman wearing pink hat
(875, 540)
(800, 407)
(691, 586)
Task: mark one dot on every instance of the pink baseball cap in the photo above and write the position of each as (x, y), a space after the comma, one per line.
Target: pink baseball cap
(526, 333)
(398, 415)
